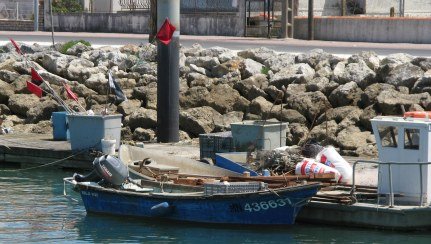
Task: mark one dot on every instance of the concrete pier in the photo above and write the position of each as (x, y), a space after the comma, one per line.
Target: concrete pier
(41, 149)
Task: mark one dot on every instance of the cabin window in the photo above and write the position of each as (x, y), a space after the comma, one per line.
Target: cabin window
(411, 139)
(388, 136)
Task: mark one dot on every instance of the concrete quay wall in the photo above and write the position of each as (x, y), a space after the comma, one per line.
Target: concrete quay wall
(366, 29)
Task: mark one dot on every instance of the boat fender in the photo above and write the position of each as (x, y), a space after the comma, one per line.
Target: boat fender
(161, 209)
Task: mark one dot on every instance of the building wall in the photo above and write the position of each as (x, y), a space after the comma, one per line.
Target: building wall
(367, 29)
(414, 8)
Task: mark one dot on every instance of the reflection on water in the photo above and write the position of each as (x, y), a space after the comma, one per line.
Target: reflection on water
(33, 209)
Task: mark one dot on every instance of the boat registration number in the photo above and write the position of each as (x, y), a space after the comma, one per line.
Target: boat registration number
(86, 193)
(265, 205)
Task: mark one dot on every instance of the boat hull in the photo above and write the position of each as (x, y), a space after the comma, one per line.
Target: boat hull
(278, 207)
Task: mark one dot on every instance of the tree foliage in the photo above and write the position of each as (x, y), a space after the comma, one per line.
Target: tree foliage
(66, 6)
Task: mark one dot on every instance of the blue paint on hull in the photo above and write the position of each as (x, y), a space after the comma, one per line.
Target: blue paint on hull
(264, 208)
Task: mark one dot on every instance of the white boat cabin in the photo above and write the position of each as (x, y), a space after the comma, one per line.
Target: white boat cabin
(405, 142)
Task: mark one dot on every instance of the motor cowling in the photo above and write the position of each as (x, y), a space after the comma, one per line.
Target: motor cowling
(111, 169)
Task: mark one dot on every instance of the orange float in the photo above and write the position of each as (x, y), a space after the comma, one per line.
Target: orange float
(418, 114)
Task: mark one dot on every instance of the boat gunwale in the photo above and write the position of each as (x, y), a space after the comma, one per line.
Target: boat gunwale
(309, 185)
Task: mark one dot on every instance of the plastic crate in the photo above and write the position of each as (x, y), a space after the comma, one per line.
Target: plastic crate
(234, 187)
(213, 143)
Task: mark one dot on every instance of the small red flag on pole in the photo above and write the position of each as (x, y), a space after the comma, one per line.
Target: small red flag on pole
(35, 77)
(18, 50)
(36, 90)
(70, 93)
(165, 32)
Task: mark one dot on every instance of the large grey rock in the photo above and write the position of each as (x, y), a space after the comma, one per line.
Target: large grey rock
(8, 76)
(258, 54)
(297, 73)
(423, 84)
(396, 59)
(77, 49)
(6, 90)
(141, 134)
(252, 87)
(347, 94)
(81, 69)
(194, 50)
(97, 82)
(145, 68)
(389, 101)
(313, 57)
(424, 63)
(206, 62)
(148, 52)
(371, 92)
(369, 57)
(260, 106)
(230, 100)
(276, 95)
(42, 110)
(288, 115)
(200, 120)
(279, 61)
(338, 114)
(352, 138)
(297, 134)
(130, 49)
(20, 84)
(367, 114)
(19, 104)
(249, 68)
(404, 75)
(128, 107)
(325, 133)
(309, 104)
(322, 84)
(145, 118)
(195, 97)
(359, 73)
(223, 124)
(56, 62)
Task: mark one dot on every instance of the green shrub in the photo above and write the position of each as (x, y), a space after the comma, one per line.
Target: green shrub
(70, 44)
(264, 70)
(66, 6)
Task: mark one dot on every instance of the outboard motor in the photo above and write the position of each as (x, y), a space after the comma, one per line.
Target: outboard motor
(107, 168)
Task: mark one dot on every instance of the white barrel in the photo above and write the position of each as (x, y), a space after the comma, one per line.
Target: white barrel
(108, 146)
(309, 165)
(330, 157)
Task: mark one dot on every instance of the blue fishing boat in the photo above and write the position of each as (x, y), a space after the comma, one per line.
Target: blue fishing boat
(216, 202)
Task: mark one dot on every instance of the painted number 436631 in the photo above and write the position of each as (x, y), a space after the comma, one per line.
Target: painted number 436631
(265, 205)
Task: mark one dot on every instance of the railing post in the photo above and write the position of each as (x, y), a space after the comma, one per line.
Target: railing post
(421, 186)
(391, 193)
(17, 10)
(36, 15)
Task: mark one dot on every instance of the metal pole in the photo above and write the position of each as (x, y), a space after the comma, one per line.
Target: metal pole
(52, 23)
(168, 74)
(17, 11)
(310, 20)
(421, 186)
(36, 15)
(391, 192)
(284, 22)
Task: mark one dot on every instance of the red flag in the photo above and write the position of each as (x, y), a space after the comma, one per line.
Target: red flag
(35, 77)
(165, 32)
(18, 50)
(70, 93)
(34, 89)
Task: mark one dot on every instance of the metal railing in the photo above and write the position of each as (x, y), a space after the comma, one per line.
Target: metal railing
(391, 191)
(16, 10)
(135, 4)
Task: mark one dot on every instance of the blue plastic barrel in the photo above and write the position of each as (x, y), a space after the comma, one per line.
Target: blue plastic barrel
(59, 126)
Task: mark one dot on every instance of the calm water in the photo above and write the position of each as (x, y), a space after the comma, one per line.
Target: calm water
(33, 209)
